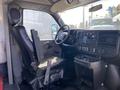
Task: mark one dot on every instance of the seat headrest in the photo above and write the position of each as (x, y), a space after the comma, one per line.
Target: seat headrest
(14, 15)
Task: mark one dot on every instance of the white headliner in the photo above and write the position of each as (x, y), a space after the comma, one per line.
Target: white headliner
(51, 5)
(45, 2)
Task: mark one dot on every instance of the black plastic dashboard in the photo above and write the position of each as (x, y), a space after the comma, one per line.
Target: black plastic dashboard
(102, 43)
(93, 51)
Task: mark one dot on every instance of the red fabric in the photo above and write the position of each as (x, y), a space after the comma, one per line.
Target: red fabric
(1, 83)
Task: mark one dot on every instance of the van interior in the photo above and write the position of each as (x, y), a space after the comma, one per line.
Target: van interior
(60, 45)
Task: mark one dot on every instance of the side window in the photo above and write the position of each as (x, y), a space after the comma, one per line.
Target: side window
(44, 23)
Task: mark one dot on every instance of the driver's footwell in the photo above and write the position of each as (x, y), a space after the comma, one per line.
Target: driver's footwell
(25, 86)
(76, 87)
(64, 86)
(73, 88)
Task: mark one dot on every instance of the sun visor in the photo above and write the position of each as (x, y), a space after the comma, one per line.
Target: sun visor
(63, 5)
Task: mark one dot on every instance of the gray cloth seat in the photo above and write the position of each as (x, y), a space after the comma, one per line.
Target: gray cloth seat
(29, 56)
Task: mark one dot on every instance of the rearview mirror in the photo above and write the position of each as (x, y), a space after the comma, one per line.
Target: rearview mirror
(95, 8)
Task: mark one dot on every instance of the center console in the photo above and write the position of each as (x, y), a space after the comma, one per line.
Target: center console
(89, 71)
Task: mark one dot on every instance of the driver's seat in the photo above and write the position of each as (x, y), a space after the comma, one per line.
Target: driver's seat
(31, 72)
(26, 47)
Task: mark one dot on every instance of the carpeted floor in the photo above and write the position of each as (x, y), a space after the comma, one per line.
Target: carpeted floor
(1, 83)
(9, 87)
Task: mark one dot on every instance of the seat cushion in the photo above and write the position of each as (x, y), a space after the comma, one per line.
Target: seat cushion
(54, 62)
(57, 65)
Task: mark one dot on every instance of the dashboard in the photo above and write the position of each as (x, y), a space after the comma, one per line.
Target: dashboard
(102, 43)
(91, 50)
(94, 49)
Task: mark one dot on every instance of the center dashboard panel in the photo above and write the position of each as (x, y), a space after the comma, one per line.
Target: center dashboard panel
(93, 47)
(101, 43)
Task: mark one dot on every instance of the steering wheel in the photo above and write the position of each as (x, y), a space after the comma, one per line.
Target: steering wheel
(62, 34)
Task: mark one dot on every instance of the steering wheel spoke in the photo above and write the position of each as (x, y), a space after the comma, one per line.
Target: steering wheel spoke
(62, 34)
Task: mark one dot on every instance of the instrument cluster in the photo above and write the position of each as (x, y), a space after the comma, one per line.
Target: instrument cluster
(95, 42)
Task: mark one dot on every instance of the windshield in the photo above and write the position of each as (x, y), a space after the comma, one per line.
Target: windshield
(107, 18)
(102, 22)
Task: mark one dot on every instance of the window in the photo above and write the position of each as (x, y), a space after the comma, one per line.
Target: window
(42, 22)
(107, 18)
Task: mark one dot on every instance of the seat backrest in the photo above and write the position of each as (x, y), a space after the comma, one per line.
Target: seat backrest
(21, 36)
(25, 43)
(37, 46)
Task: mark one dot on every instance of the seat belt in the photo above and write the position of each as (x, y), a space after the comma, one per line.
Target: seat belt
(37, 45)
